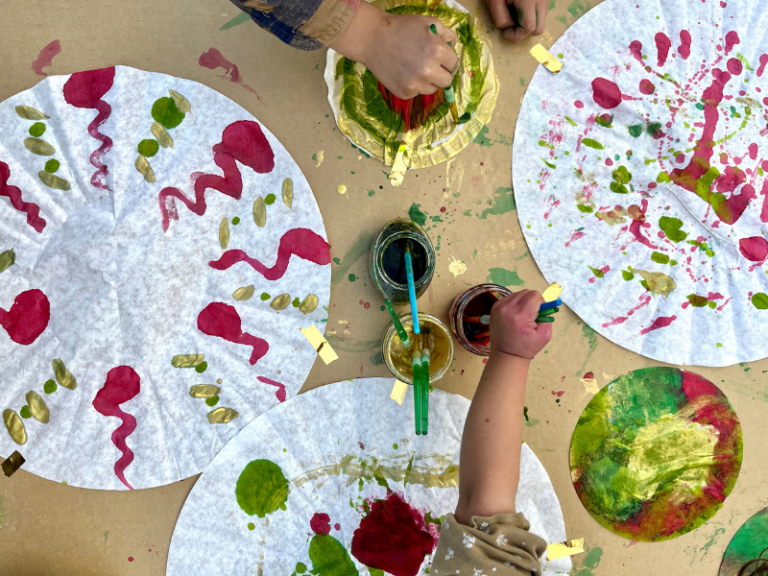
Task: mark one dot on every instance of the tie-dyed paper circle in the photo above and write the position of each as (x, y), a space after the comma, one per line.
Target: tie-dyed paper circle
(641, 177)
(655, 453)
(747, 553)
(159, 252)
(290, 493)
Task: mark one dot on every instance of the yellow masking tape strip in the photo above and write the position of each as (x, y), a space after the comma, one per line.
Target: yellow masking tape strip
(546, 59)
(320, 344)
(552, 292)
(398, 392)
(563, 549)
(400, 165)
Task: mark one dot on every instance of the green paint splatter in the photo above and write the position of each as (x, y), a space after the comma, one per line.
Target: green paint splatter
(636, 130)
(660, 258)
(653, 129)
(591, 337)
(549, 164)
(106, 535)
(697, 301)
(627, 275)
(241, 18)
(269, 199)
(352, 277)
(52, 166)
(601, 121)
(577, 8)
(482, 138)
(415, 214)
(235, 221)
(251, 526)
(359, 248)
(760, 301)
(590, 143)
(264, 296)
(212, 401)
(503, 202)
(202, 367)
(25, 412)
(671, 228)
(621, 177)
(166, 113)
(50, 387)
(148, 148)
(589, 562)
(329, 557)
(597, 272)
(504, 277)
(571, 122)
(37, 129)
(295, 303)
(261, 488)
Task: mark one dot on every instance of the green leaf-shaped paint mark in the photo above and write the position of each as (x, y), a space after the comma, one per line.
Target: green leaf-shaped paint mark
(7, 259)
(261, 488)
(584, 208)
(697, 301)
(549, 164)
(570, 121)
(660, 258)
(590, 143)
(166, 113)
(671, 228)
(605, 120)
(636, 130)
(663, 177)
(596, 272)
(627, 275)
(653, 129)
(415, 214)
(329, 557)
(622, 175)
(760, 301)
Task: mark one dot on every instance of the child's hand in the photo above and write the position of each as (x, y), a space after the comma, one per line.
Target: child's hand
(531, 17)
(400, 50)
(514, 329)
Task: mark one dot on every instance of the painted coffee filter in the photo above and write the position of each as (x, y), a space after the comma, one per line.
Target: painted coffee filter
(159, 251)
(655, 453)
(747, 552)
(301, 478)
(365, 118)
(640, 177)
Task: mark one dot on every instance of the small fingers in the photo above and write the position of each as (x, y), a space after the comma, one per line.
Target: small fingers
(500, 15)
(449, 61)
(527, 16)
(444, 32)
(541, 18)
(516, 34)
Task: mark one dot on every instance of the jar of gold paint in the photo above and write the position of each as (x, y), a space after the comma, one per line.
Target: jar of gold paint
(398, 359)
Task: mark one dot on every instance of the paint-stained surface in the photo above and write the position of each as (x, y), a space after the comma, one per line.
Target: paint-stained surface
(747, 553)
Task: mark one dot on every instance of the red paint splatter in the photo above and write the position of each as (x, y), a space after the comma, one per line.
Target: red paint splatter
(45, 58)
(764, 211)
(241, 141)
(588, 375)
(13, 193)
(763, 62)
(663, 44)
(731, 39)
(281, 387)
(130, 558)
(321, 524)
(122, 384)
(27, 318)
(644, 301)
(661, 322)
(646, 86)
(337, 526)
(685, 44)
(222, 320)
(413, 111)
(605, 93)
(753, 151)
(301, 242)
(604, 270)
(735, 66)
(636, 227)
(636, 49)
(214, 59)
(575, 235)
(86, 90)
(754, 248)
(558, 393)
(393, 537)
(578, 104)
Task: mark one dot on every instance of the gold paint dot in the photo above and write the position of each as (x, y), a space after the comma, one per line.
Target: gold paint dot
(341, 189)
(219, 381)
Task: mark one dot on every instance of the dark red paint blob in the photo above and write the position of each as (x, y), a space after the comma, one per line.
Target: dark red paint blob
(46, 56)
(763, 62)
(393, 537)
(86, 90)
(214, 59)
(337, 526)
(222, 320)
(636, 49)
(122, 384)
(241, 141)
(27, 318)
(663, 44)
(588, 375)
(754, 248)
(685, 44)
(646, 86)
(280, 393)
(661, 322)
(731, 39)
(320, 524)
(605, 93)
(13, 193)
(735, 66)
(301, 242)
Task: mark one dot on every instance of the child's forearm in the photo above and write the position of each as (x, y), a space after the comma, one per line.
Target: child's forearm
(490, 449)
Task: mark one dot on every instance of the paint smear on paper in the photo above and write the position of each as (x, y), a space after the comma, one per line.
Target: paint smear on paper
(214, 59)
(45, 58)
(223, 321)
(504, 277)
(280, 393)
(359, 248)
(13, 193)
(27, 318)
(261, 488)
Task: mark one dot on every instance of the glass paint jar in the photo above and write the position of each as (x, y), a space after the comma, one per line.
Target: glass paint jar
(398, 359)
(466, 313)
(388, 261)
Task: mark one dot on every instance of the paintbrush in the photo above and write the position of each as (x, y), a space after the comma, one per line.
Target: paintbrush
(411, 288)
(429, 343)
(485, 319)
(417, 399)
(401, 333)
(450, 96)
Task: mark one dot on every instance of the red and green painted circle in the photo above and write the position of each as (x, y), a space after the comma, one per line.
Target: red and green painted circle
(655, 453)
(747, 554)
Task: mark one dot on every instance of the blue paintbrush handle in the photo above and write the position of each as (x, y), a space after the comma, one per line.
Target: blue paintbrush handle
(412, 290)
(550, 305)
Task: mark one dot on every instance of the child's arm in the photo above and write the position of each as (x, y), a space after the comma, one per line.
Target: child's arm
(490, 449)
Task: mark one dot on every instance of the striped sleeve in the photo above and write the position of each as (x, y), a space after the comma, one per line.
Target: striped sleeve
(302, 24)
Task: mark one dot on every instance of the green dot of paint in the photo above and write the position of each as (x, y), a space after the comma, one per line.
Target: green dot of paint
(166, 113)
(719, 345)
(264, 296)
(760, 301)
(560, 55)
(50, 387)
(52, 166)
(212, 401)
(394, 446)
(711, 303)
(352, 277)
(285, 449)
(251, 525)
(382, 308)
(235, 221)
(202, 367)
(37, 129)
(25, 412)
(261, 488)
(709, 253)
(673, 262)
(148, 148)
(295, 302)
(270, 199)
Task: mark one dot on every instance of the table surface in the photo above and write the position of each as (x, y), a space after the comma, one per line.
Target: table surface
(48, 528)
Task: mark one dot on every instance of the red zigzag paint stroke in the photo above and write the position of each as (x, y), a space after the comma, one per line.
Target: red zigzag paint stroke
(122, 384)
(302, 242)
(280, 392)
(85, 90)
(13, 193)
(222, 320)
(241, 141)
